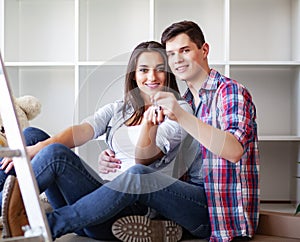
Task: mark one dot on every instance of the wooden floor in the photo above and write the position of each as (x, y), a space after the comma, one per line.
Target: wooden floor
(257, 238)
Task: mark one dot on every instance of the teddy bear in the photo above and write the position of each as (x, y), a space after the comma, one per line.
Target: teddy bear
(27, 108)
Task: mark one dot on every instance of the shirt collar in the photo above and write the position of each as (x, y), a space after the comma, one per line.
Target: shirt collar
(211, 83)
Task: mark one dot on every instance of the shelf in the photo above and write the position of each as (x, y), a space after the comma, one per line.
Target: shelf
(37, 64)
(265, 63)
(279, 138)
(271, 33)
(278, 207)
(72, 55)
(170, 11)
(111, 28)
(256, 64)
(32, 37)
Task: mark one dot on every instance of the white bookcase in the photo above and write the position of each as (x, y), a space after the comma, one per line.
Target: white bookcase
(72, 55)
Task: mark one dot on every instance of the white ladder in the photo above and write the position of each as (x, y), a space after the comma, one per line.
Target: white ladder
(27, 182)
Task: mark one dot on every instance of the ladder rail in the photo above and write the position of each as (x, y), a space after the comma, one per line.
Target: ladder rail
(27, 182)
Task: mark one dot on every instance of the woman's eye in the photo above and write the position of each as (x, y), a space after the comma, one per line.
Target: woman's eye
(143, 70)
(160, 70)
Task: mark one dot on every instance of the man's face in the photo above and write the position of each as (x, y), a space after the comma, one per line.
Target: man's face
(185, 58)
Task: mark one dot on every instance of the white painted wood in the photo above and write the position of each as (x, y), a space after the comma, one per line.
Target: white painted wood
(79, 60)
(22, 165)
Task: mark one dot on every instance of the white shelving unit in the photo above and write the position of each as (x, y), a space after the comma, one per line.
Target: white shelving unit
(72, 55)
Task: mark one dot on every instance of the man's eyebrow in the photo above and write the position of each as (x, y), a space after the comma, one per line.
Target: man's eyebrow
(181, 48)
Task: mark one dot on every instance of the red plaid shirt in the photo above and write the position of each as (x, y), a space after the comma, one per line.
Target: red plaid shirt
(232, 189)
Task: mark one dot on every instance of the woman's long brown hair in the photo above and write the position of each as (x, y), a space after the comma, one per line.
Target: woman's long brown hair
(132, 96)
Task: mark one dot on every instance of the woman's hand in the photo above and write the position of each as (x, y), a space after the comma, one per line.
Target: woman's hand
(7, 164)
(153, 115)
(34, 149)
(107, 162)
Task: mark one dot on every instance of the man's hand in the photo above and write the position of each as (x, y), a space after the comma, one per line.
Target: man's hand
(107, 162)
(169, 104)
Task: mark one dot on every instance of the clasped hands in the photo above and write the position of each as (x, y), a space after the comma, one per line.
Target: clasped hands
(154, 114)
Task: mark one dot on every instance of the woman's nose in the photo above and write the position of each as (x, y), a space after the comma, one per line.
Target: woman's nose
(151, 75)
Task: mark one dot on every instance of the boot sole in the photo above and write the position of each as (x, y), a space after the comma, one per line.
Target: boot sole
(142, 229)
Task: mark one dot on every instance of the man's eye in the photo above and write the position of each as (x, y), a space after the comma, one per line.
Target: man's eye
(186, 51)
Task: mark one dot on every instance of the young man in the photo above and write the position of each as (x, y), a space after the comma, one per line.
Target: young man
(224, 124)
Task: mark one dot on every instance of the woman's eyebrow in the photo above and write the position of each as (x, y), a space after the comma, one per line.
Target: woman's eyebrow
(158, 65)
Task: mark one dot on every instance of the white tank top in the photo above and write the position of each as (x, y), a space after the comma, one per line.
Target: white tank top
(123, 143)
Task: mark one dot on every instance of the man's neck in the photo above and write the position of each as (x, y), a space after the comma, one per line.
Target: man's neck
(195, 86)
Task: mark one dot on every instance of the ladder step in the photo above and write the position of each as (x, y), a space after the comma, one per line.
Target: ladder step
(6, 152)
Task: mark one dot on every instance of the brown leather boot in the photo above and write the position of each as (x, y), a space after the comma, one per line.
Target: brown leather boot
(13, 211)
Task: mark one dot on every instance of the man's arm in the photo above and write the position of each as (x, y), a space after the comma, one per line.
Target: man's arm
(219, 142)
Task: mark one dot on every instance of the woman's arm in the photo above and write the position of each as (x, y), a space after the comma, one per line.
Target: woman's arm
(146, 150)
(71, 137)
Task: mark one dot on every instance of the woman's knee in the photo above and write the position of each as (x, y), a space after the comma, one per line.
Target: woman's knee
(56, 149)
(140, 169)
(34, 135)
(55, 154)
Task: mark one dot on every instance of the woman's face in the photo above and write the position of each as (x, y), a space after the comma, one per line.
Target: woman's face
(150, 73)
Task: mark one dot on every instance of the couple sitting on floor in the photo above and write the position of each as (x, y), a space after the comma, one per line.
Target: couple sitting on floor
(150, 130)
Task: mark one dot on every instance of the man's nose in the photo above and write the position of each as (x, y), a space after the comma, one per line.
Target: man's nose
(178, 58)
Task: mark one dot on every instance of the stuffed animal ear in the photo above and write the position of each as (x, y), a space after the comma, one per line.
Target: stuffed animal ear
(30, 105)
(3, 141)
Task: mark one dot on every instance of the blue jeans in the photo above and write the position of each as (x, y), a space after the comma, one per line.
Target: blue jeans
(83, 203)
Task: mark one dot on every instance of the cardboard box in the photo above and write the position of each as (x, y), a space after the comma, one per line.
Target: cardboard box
(279, 224)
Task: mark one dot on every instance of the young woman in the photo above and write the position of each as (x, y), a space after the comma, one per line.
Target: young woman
(136, 131)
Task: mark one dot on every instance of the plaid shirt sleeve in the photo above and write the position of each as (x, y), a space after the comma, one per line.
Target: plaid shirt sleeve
(232, 189)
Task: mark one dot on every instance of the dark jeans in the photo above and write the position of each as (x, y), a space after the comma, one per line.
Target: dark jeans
(84, 204)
